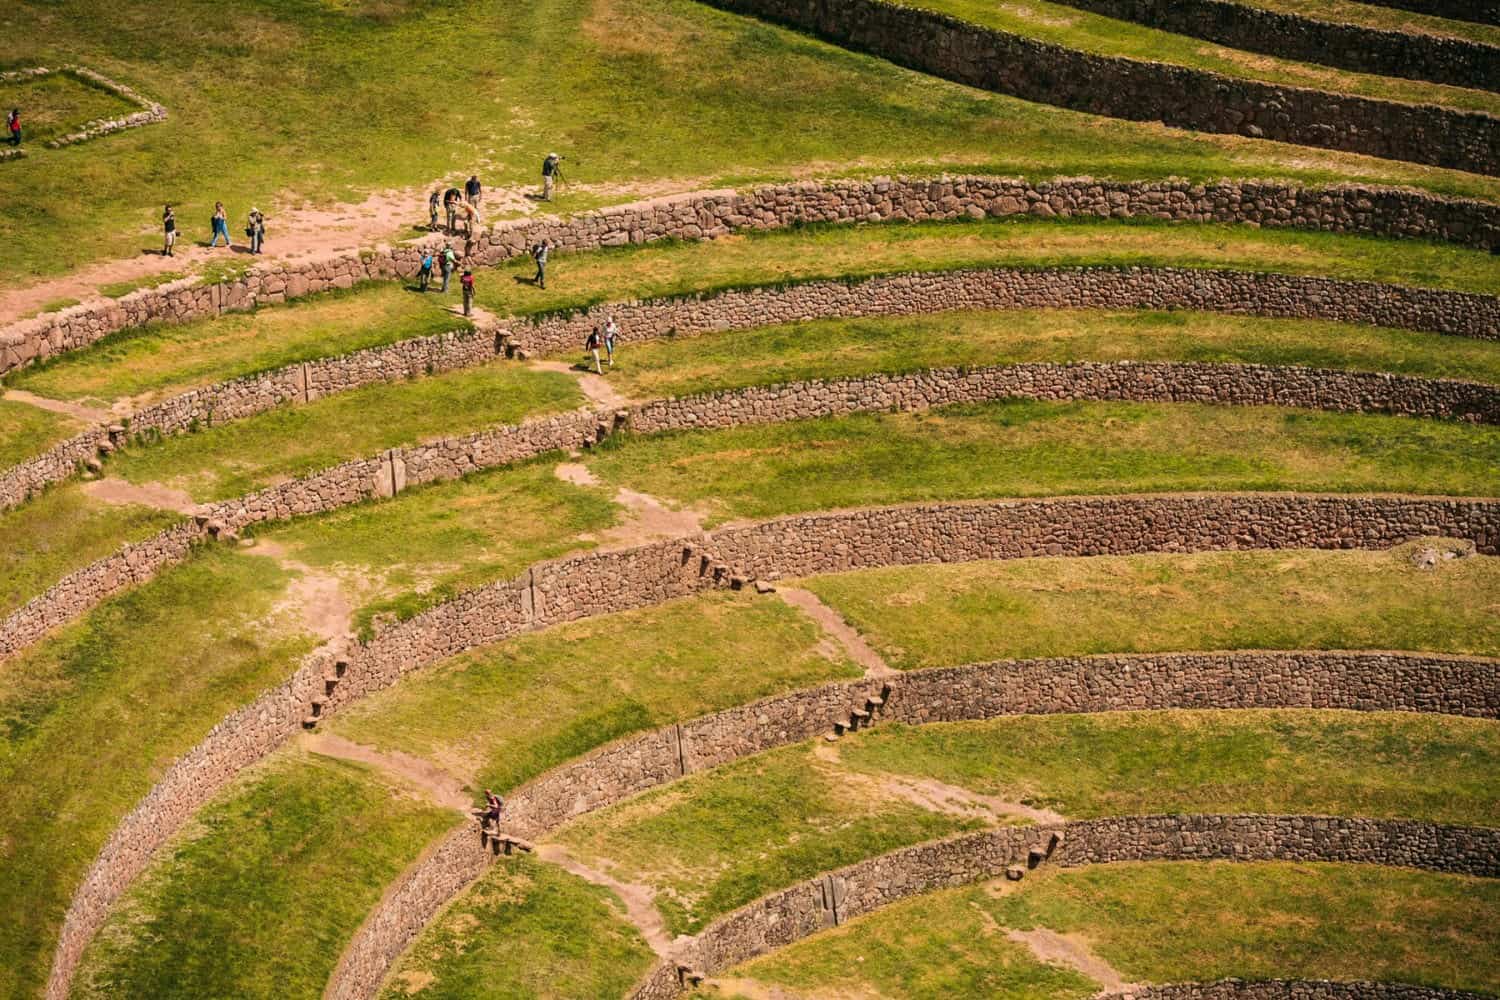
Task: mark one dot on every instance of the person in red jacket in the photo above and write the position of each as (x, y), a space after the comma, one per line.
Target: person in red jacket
(467, 281)
(13, 123)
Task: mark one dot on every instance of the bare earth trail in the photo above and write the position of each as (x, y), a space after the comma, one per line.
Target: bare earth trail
(1072, 951)
(595, 387)
(639, 900)
(433, 782)
(158, 495)
(88, 414)
(837, 630)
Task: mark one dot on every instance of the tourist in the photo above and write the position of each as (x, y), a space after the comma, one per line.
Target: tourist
(13, 123)
(220, 225)
(611, 331)
(452, 198)
(432, 211)
(472, 191)
(255, 228)
(493, 806)
(467, 283)
(551, 171)
(592, 346)
(169, 232)
(447, 263)
(539, 254)
(424, 274)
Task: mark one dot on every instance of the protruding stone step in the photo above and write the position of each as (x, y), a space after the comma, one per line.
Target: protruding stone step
(1035, 856)
(762, 587)
(689, 976)
(340, 665)
(317, 708)
(860, 714)
(1015, 873)
(310, 722)
(738, 582)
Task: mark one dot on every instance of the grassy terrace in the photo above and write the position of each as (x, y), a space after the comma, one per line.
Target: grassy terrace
(1385, 18)
(1077, 29)
(577, 943)
(1022, 448)
(718, 840)
(59, 532)
(341, 117)
(844, 347)
(1161, 923)
(260, 894)
(932, 616)
(57, 104)
(26, 431)
(89, 719)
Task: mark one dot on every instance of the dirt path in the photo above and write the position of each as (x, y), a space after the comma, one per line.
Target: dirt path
(647, 519)
(435, 784)
(1073, 951)
(88, 414)
(639, 900)
(752, 989)
(595, 387)
(158, 495)
(838, 630)
(317, 597)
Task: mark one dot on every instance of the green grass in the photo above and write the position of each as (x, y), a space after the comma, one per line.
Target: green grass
(429, 544)
(934, 947)
(120, 289)
(1077, 29)
(262, 892)
(719, 840)
(154, 361)
(1191, 921)
(500, 715)
(60, 531)
(844, 347)
(1163, 923)
(1383, 18)
(26, 431)
(525, 929)
(1022, 448)
(929, 616)
(58, 104)
(632, 91)
(91, 718)
(234, 458)
(1436, 768)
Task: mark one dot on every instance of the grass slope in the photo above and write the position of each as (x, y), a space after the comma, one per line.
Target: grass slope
(525, 929)
(92, 717)
(502, 714)
(57, 104)
(928, 616)
(1384, 18)
(632, 90)
(26, 431)
(1023, 448)
(260, 894)
(1163, 923)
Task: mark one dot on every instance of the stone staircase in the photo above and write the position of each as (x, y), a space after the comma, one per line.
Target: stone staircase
(330, 683)
(862, 718)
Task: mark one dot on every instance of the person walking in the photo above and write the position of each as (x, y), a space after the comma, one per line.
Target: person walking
(424, 274)
(13, 125)
(467, 284)
(592, 346)
(551, 171)
(611, 331)
(494, 805)
(539, 254)
(255, 228)
(452, 198)
(220, 223)
(168, 231)
(432, 210)
(473, 193)
(447, 262)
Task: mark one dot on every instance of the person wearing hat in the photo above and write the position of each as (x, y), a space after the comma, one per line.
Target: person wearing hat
(255, 228)
(169, 231)
(550, 172)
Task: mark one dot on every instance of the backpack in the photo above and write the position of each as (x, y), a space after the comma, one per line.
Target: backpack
(592, 344)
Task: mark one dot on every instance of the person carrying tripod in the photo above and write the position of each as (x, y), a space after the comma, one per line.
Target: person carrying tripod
(551, 173)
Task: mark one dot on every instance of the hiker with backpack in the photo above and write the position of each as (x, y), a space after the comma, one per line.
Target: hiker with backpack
(592, 346)
(551, 172)
(13, 125)
(424, 273)
(255, 228)
(447, 262)
(611, 331)
(467, 284)
(432, 210)
(493, 806)
(473, 193)
(452, 198)
(539, 254)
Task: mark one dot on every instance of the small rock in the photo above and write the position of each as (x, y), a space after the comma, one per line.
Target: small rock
(1425, 558)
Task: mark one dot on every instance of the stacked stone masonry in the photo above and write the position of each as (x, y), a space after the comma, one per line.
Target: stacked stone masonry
(1142, 91)
(1347, 209)
(398, 469)
(1480, 11)
(1348, 680)
(785, 917)
(1410, 54)
(1234, 292)
(603, 583)
(1292, 989)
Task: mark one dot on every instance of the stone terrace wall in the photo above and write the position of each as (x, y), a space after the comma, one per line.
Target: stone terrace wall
(601, 583)
(1292, 989)
(397, 469)
(999, 288)
(1482, 11)
(782, 918)
(1142, 91)
(1354, 209)
(1411, 54)
(1366, 681)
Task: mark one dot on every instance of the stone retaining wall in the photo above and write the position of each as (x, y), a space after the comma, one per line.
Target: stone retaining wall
(397, 469)
(1174, 95)
(1292, 989)
(1354, 209)
(1234, 292)
(1481, 11)
(1411, 54)
(782, 918)
(601, 583)
(150, 111)
(1367, 681)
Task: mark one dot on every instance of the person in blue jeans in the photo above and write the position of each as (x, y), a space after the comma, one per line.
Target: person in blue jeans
(424, 276)
(220, 224)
